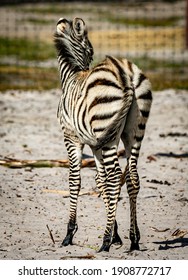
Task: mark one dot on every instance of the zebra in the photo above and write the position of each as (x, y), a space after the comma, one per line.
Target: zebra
(99, 107)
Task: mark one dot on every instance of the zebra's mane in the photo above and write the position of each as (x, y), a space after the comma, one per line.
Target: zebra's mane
(79, 55)
(63, 50)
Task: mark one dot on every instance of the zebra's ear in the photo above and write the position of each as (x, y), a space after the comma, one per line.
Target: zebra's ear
(61, 24)
(79, 26)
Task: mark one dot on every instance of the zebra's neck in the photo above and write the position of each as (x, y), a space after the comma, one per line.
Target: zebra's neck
(66, 69)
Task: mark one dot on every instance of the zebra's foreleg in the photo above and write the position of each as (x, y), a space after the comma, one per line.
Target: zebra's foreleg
(74, 149)
(112, 191)
(133, 186)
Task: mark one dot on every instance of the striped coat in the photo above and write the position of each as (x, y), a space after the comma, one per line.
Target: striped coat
(98, 107)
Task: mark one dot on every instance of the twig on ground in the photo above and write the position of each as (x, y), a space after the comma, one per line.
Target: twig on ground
(17, 163)
(78, 257)
(67, 193)
(158, 230)
(51, 236)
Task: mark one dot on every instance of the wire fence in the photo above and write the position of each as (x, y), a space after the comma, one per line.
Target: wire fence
(150, 33)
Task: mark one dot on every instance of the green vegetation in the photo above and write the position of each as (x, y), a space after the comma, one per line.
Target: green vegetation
(54, 9)
(36, 21)
(164, 80)
(26, 49)
(157, 64)
(165, 73)
(102, 14)
(146, 22)
(26, 78)
(161, 72)
(44, 9)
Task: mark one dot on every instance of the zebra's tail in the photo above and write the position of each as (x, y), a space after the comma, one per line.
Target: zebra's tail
(111, 132)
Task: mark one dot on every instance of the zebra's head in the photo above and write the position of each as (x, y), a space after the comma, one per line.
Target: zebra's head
(72, 43)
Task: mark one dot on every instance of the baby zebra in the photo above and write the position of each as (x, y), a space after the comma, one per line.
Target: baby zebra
(98, 107)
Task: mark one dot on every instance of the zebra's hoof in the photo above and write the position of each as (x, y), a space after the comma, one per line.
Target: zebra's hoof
(117, 240)
(134, 246)
(67, 241)
(105, 247)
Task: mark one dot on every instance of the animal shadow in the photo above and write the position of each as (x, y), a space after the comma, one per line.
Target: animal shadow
(172, 244)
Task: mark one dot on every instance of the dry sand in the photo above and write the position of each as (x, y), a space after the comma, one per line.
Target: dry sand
(30, 198)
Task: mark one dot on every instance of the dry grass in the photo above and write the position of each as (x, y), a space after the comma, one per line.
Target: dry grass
(14, 77)
(139, 39)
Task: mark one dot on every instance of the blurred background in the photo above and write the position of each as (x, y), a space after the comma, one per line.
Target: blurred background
(153, 34)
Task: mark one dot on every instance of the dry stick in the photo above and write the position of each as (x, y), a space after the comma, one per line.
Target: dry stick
(51, 236)
(67, 193)
(78, 257)
(15, 163)
(159, 230)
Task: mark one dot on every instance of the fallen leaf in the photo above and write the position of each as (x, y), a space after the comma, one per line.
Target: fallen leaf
(151, 158)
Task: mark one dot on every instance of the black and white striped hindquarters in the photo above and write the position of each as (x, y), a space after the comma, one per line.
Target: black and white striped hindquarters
(109, 94)
(134, 129)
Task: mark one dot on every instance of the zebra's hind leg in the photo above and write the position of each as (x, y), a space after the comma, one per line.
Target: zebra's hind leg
(111, 192)
(133, 186)
(101, 182)
(74, 149)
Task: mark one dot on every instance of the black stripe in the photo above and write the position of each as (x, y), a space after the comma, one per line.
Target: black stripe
(64, 70)
(104, 99)
(114, 154)
(136, 148)
(101, 82)
(121, 71)
(142, 77)
(104, 69)
(127, 89)
(64, 108)
(99, 129)
(105, 149)
(146, 95)
(83, 119)
(130, 66)
(74, 170)
(80, 116)
(134, 154)
(139, 138)
(141, 126)
(102, 116)
(144, 113)
(110, 162)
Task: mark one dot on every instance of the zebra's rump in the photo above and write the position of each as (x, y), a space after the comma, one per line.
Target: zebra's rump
(107, 99)
(107, 112)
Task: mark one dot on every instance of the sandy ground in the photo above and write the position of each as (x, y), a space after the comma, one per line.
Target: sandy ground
(29, 198)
